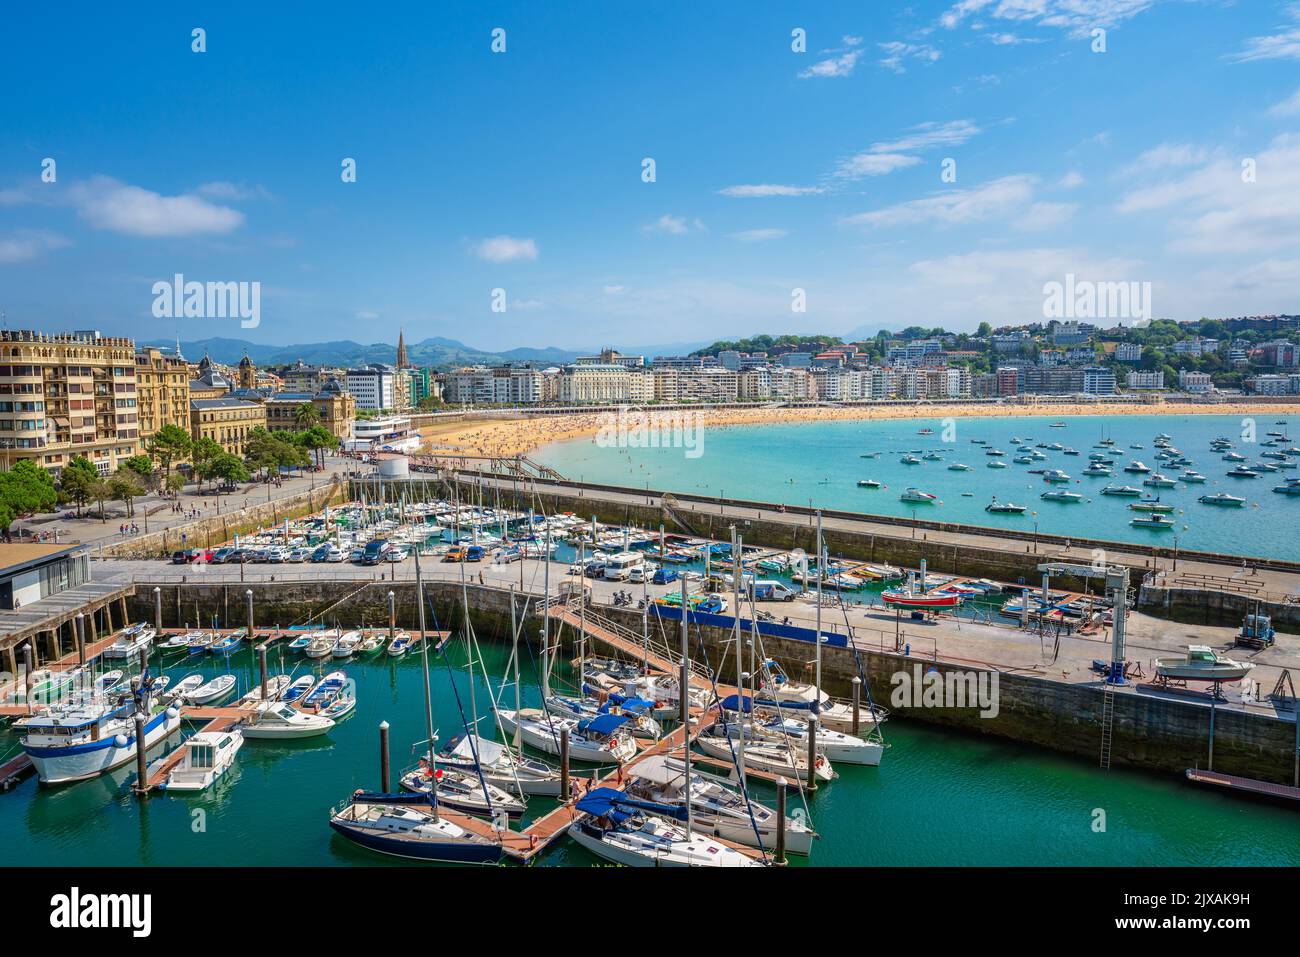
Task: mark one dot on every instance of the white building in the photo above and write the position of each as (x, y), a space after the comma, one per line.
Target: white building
(1128, 352)
(374, 387)
(1198, 382)
(1146, 380)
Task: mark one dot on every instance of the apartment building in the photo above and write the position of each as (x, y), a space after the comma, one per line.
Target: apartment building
(1146, 380)
(227, 421)
(696, 385)
(66, 394)
(337, 409)
(1198, 382)
(162, 385)
(377, 386)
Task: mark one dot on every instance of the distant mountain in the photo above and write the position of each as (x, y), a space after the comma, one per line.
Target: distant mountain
(436, 352)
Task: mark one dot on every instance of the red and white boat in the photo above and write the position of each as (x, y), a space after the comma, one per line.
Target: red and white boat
(909, 596)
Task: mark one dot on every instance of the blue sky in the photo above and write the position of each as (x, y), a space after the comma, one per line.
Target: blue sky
(775, 170)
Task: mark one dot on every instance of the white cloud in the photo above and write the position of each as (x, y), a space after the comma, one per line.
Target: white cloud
(758, 235)
(133, 211)
(954, 207)
(1282, 45)
(1168, 156)
(673, 226)
(221, 189)
(851, 41)
(926, 135)
(896, 53)
(769, 189)
(366, 315)
(1213, 211)
(1071, 180)
(841, 65)
(614, 290)
(28, 244)
(1046, 216)
(1288, 107)
(504, 249)
(874, 164)
(1076, 17)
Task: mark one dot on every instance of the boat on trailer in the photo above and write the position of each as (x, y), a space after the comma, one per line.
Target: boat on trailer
(1202, 663)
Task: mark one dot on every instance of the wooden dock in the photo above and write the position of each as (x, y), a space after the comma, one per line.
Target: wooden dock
(1233, 782)
(14, 770)
(159, 769)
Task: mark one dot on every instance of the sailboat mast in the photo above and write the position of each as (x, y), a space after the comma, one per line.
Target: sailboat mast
(817, 658)
(683, 688)
(469, 650)
(738, 546)
(546, 615)
(514, 648)
(428, 690)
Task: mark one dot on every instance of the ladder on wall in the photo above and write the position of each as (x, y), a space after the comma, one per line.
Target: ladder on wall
(1107, 722)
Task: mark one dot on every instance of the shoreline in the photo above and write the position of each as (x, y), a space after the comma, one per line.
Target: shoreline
(523, 435)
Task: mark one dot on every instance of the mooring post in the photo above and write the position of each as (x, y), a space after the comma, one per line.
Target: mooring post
(392, 615)
(857, 703)
(1212, 710)
(779, 857)
(249, 595)
(812, 753)
(157, 609)
(27, 675)
(383, 757)
(261, 668)
(81, 638)
(564, 764)
(141, 759)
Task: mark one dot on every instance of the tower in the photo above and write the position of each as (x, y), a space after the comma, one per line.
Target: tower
(247, 373)
(402, 362)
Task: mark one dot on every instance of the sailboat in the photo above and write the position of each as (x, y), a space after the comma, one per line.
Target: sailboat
(639, 833)
(463, 791)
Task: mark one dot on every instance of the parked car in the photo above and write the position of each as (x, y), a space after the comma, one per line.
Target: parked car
(299, 554)
(375, 552)
(455, 554)
(638, 575)
(474, 553)
(335, 554)
(397, 553)
(665, 576)
(186, 556)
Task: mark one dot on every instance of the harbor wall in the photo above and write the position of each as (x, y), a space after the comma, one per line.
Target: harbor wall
(1200, 606)
(210, 531)
(1149, 732)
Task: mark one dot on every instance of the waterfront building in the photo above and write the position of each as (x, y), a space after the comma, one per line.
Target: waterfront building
(1098, 381)
(603, 384)
(612, 357)
(67, 394)
(374, 386)
(1198, 382)
(695, 385)
(337, 409)
(1146, 380)
(30, 572)
(162, 391)
(1270, 384)
(227, 421)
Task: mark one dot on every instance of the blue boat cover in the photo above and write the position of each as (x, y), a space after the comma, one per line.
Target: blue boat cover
(733, 703)
(604, 723)
(612, 803)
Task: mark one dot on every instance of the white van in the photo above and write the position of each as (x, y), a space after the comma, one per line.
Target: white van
(618, 568)
(768, 590)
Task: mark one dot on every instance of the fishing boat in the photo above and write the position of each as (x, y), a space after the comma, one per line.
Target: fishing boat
(917, 497)
(501, 766)
(599, 740)
(372, 643)
(347, 644)
(131, 642)
(208, 755)
(911, 597)
(716, 809)
(1202, 663)
(1004, 507)
(276, 720)
(639, 833)
(214, 690)
(89, 736)
(325, 691)
(1152, 521)
(299, 687)
(1125, 491)
(409, 826)
(1222, 498)
(322, 644)
(275, 686)
(774, 756)
(227, 644)
(463, 791)
(400, 645)
(1059, 495)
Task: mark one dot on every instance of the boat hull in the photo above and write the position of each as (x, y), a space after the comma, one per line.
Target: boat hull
(446, 852)
(84, 761)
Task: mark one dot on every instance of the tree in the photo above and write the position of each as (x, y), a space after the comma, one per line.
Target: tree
(984, 330)
(76, 481)
(125, 487)
(169, 445)
(100, 492)
(316, 440)
(25, 489)
(203, 451)
(141, 467)
(305, 416)
(226, 467)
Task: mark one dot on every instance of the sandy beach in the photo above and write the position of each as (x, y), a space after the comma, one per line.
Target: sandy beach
(515, 434)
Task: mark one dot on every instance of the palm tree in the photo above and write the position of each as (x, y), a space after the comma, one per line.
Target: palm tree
(305, 416)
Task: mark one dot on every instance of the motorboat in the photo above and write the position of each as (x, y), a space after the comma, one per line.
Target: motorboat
(347, 644)
(1060, 495)
(463, 791)
(997, 464)
(840, 747)
(208, 755)
(1137, 467)
(1096, 469)
(639, 833)
(177, 642)
(1151, 506)
(1156, 480)
(1055, 476)
(1202, 663)
(407, 825)
(1152, 521)
(1193, 477)
(1242, 472)
(599, 740)
(400, 645)
(917, 497)
(716, 809)
(1222, 498)
(274, 719)
(1127, 491)
(959, 467)
(214, 690)
(910, 596)
(868, 483)
(501, 766)
(131, 642)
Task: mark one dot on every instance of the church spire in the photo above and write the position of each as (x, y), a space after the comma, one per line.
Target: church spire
(401, 349)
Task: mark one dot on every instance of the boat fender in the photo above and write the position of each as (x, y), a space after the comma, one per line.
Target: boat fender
(173, 714)
(120, 741)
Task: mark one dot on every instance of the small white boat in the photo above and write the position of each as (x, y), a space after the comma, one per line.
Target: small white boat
(777, 757)
(322, 645)
(1202, 663)
(214, 690)
(176, 642)
(107, 682)
(372, 643)
(275, 684)
(131, 642)
(645, 834)
(400, 645)
(300, 686)
(599, 740)
(501, 766)
(276, 720)
(208, 755)
(347, 644)
(181, 691)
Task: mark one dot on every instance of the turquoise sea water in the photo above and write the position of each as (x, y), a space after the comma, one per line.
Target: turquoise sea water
(937, 799)
(821, 462)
